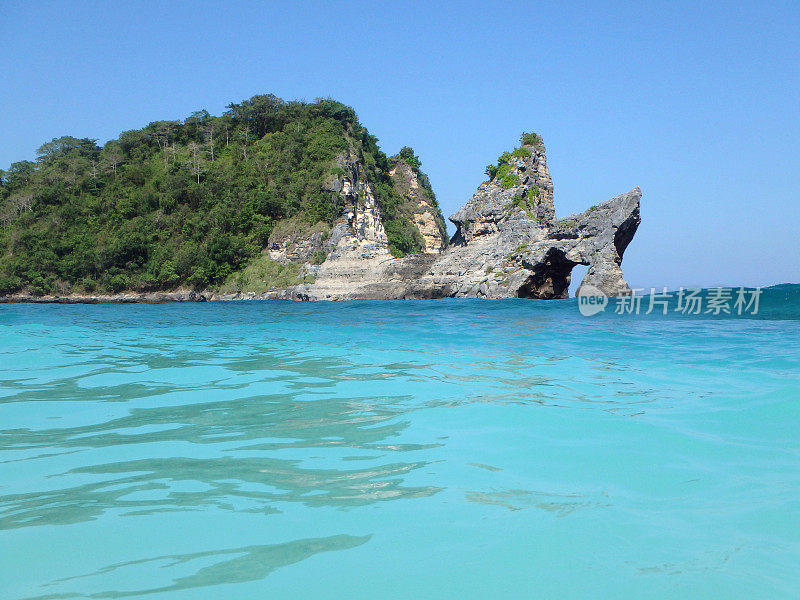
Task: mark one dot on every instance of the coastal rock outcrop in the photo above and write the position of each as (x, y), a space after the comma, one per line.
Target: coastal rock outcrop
(520, 192)
(507, 244)
(424, 212)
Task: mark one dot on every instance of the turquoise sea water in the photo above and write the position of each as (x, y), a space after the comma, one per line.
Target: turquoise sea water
(423, 449)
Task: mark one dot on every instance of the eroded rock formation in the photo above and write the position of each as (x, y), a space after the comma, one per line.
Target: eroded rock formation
(507, 244)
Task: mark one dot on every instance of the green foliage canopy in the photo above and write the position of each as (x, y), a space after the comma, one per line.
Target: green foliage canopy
(180, 203)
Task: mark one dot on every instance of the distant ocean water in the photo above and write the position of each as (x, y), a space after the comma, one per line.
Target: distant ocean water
(388, 449)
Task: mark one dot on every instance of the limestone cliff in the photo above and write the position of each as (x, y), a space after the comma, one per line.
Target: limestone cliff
(420, 203)
(508, 242)
(358, 231)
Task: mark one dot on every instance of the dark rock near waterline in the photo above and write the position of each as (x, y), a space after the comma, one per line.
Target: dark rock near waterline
(121, 298)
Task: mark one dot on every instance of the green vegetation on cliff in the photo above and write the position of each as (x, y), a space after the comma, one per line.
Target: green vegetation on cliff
(503, 166)
(399, 213)
(181, 203)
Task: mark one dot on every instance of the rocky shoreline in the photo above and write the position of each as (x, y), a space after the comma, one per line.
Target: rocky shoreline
(130, 297)
(120, 298)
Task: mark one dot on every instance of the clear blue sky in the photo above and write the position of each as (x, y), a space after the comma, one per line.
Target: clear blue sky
(696, 103)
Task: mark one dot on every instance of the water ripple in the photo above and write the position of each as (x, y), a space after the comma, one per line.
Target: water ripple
(479, 449)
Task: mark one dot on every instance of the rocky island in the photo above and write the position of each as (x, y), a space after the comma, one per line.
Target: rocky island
(296, 201)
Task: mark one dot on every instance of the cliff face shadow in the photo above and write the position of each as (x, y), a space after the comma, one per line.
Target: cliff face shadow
(549, 278)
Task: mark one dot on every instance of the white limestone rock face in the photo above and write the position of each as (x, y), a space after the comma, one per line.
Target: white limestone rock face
(359, 232)
(424, 212)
